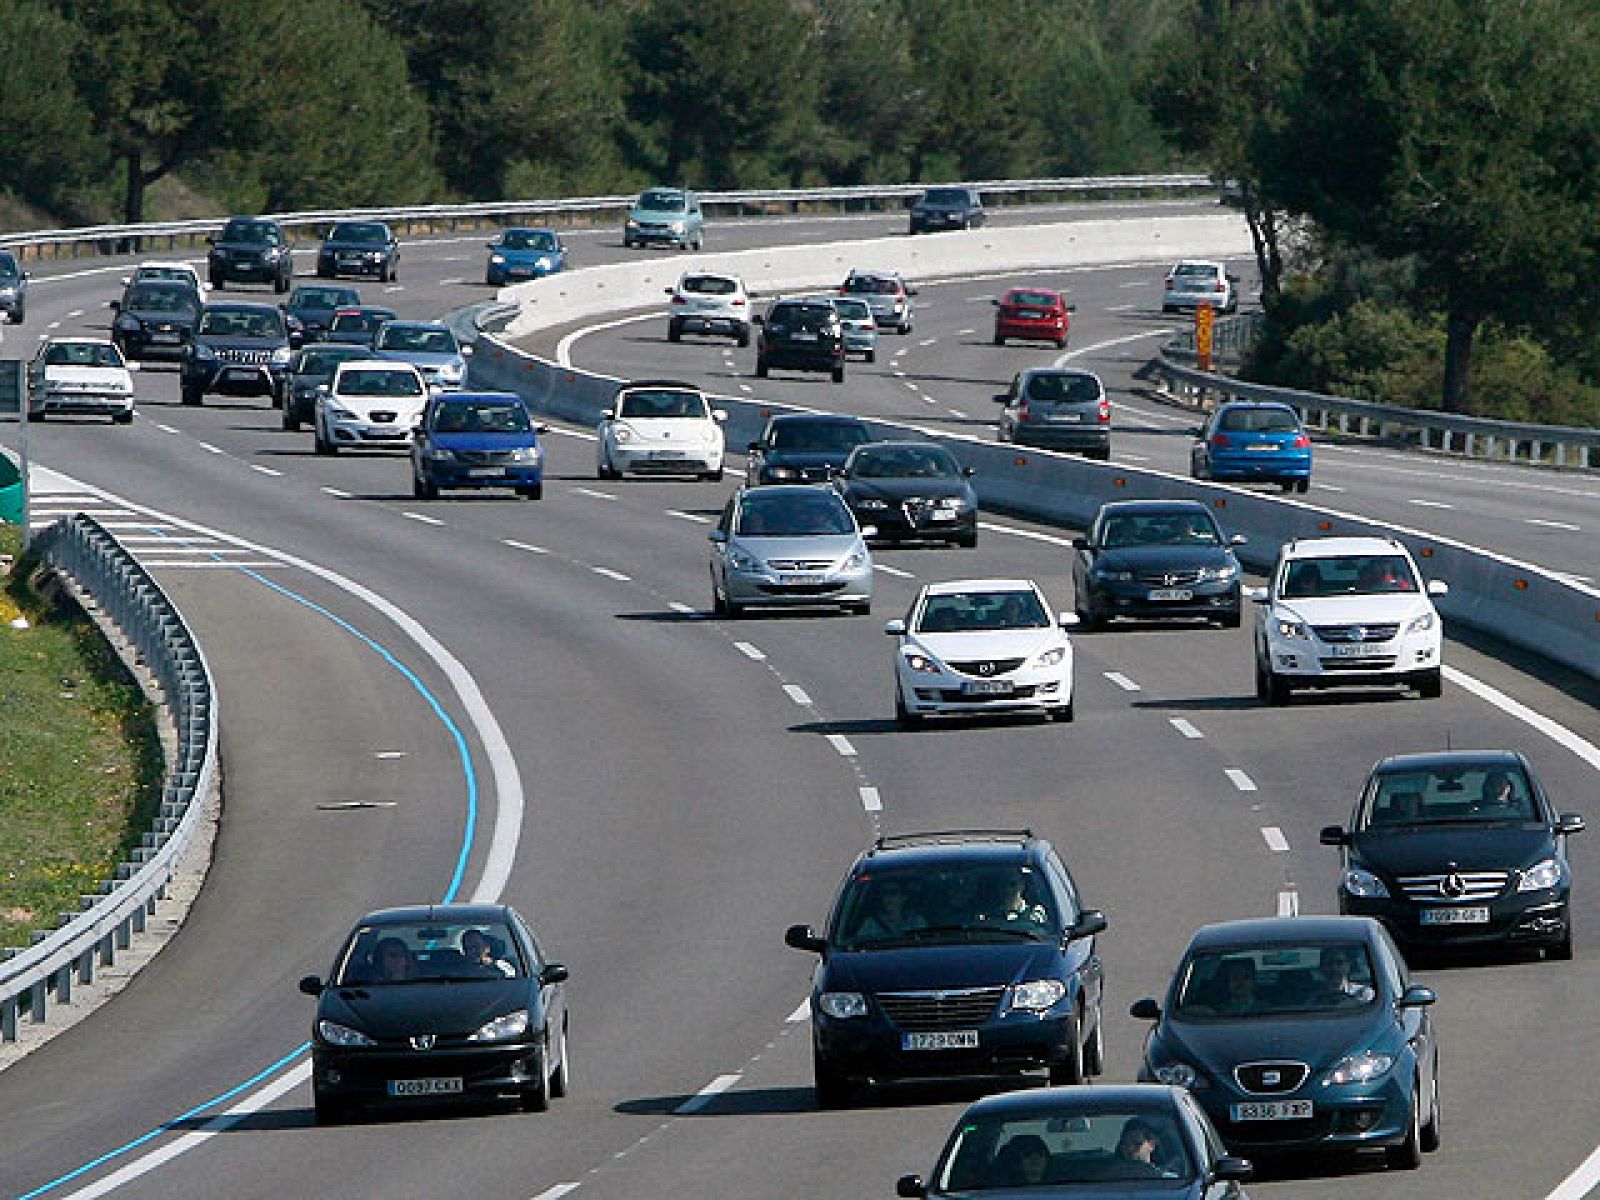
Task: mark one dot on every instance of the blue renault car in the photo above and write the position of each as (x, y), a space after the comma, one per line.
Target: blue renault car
(522, 253)
(477, 440)
(1249, 441)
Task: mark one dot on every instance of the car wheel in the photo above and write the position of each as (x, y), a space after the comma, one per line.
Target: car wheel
(1066, 714)
(532, 491)
(872, 356)
(561, 1077)
(323, 272)
(1071, 1071)
(36, 416)
(291, 423)
(1302, 486)
(280, 285)
(674, 331)
(743, 338)
(835, 1089)
(998, 340)
(125, 418)
(1103, 454)
(838, 374)
(536, 1096)
(1231, 619)
(1431, 1130)
(1263, 688)
(320, 444)
(422, 489)
(903, 716)
(215, 280)
(761, 368)
(328, 1110)
(1407, 1156)
(1278, 689)
(1562, 950)
(1430, 684)
(968, 541)
(712, 476)
(192, 395)
(604, 469)
(1061, 342)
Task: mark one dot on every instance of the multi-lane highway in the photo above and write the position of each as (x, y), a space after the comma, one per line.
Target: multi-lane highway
(679, 789)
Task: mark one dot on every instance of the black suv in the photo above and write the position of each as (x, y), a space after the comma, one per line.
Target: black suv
(251, 250)
(360, 248)
(965, 952)
(948, 208)
(801, 335)
(804, 447)
(238, 350)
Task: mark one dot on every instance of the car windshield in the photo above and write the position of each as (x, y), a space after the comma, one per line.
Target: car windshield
(462, 416)
(8, 267)
(663, 404)
(432, 953)
(763, 513)
(1158, 529)
(361, 322)
(83, 354)
(418, 341)
(1258, 420)
(371, 381)
(805, 436)
(324, 360)
(1191, 272)
(903, 462)
(709, 285)
(528, 239)
(160, 298)
(1051, 1146)
(253, 232)
(362, 233)
(965, 902)
(663, 201)
(241, 323)
(982, 612)
(945, 198)
(156, 271)
(323, 297)
(1244, 982)
(853, 310)
(1455, 794)
(1062, 387)
(1348, 575)
(871, 285)
(1033, 299)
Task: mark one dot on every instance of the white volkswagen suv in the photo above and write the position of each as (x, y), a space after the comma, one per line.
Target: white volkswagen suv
(1346, 610)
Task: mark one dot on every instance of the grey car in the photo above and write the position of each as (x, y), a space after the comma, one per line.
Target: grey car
(429, 346)
(13, 288)
(860, 328)
(664, 216)
(1059, 408)
(887, 294)
(786, 546)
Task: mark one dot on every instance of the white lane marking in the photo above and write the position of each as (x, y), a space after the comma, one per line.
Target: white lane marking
(209, 448)
(266, 470)
(423, 517)
(560, 1189)
(958, 414)
(77, 312)
(895, 571)
(336, 493)
(965, 332)
(796, 693)
(706, 1094)
(1137, 283)
(390, 754)
(912, 384)
(803, 1013)
(897, 372)
(1553, 525)
(1556, 732)
(583, 491)
(1581, 1182)
(749, 651)
(745, 387)
(1031, 534)
(1430, 503)
(687, 610)
(1275, 840)
(1122, 681)
(1186, 728)
(189, 564)
(1327, 487)
(928, 342)
(900, 352)
(1120, 307)
(1289, 903)
(610, 574)
(163, 428)
(927, 399)
(684, 516)
(842, 744)
(870, 799)
(531, 549)
(1240, 780)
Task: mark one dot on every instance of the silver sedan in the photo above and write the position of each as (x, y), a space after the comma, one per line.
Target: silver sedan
(789, 545)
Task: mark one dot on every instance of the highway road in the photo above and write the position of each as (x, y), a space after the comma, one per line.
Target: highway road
(684, 788)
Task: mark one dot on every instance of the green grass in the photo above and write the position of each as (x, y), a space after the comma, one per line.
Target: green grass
(80, 758)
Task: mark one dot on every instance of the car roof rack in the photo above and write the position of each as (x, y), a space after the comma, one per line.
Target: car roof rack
(942, 837)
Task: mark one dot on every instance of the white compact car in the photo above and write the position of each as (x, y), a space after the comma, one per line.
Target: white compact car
(977, 646)
(1346, 610)
(1194, 282)
(705, 302)
(80, 376)
(172, 269)
(369, 404)
(660, 427)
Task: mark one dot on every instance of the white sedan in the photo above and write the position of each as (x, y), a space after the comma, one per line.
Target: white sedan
(982, 646)
(370, 404)
(80, 376)
(660, 427)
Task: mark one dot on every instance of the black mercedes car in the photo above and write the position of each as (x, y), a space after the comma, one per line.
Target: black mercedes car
(360, 248)
(800, 335)
(1113, 1142)
(1459, 849)
(313, 305)
(251, 250)
(804, 447)
(910, 491)
(238, 349)
(959, 953)
(312, 367)
(155, 319)
(1301, 1033)
(438, 1003)
(1156, 558)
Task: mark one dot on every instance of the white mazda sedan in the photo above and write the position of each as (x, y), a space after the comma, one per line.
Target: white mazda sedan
(1346, 610)
(977, 646)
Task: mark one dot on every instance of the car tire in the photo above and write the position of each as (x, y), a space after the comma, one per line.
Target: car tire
(1562, 951)
(872, 356)
(1407, 1156)
(743, 337)
(192, 395)
(674, 332)
(36, 416)
(1094, 1054)
(998, 340)
(1432, 1128)
(215, 280)
(1061, 342)
(761, 368)
(280, 285)
(838, 374)
(967, 541)
(1231, 619)
(606, 471)
(291, 423)
(122, 418)
(834, 1088)
(561, 1077)
(536, 1096)
(533, 491)
(1430, 684)
(1302, 486)
(1066, 714)
(857, 608)
(320, 444)
(329, 1111)
(324, 272)
(1070, 1072)
(1279, 689)
(421, 489)
(1102, 454)
(712, 476)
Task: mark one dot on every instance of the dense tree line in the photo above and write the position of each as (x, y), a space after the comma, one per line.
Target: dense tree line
(1422, 177)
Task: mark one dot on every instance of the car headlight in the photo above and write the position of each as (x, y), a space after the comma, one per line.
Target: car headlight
(128, 324)
(1051, 656)
(204, 353)
(1363, 883)
(1420, 624)
(709, 434)
(677, 227)
(525, 454)
(339, 412)
(281, 356)
(452, 371)
(1288, 627)
(1037, 995)
(440, 455)
(921, 663)
(621, 434)
(1180, 1074)
(743, 560)
(503, 1029)
(1361, 1068)
(1106, 575)
(544, 262)
(1218, 573)
(632, 224)
(497, 260)
(1546, 873)
(843, 1005)
(336, 1034)
(782, 473)
(855, 561)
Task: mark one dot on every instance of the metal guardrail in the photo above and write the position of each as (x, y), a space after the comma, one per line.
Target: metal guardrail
(126, 594)
(128, 239)
(1447, 433)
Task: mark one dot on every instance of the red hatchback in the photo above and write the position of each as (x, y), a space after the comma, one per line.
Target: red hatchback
(1032, 313)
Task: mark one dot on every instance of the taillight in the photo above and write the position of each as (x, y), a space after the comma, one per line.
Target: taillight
(1105, 411)
(1219, 439)
(1171, 285)
(738, 302)
(1022, 411)
(1301, 441)
(1217, 287)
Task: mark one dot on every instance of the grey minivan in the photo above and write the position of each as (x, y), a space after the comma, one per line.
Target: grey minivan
(1059, 408)
(664, 216)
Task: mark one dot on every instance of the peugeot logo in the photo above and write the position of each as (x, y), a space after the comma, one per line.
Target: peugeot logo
(1169, 579)
(1453, 885)
(424, 1041)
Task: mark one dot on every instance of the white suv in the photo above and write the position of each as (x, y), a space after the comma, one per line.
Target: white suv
(1193, 282)
(1346, 610)
(705, 302)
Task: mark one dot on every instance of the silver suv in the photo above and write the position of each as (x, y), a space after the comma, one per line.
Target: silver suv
(664, 216)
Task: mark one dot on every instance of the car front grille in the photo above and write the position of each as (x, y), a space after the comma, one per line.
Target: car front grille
(957, 1009)
(486, 458)
(1358, 665)
(1457, 887)
(1270, 1078)
(811, 566)
(1346, 634)
(987, 668)
(1169, 578)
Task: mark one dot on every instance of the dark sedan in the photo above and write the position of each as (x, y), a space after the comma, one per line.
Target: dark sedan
(311, 368)
(314, 304)
(947, 208)
(804, 447)
(910, 491)
(438, 1003)
(360, 248)
(1112, 1142)
(358, 325)
(155, 319)
(1459, 849)
(1156, 558)
(1301, 1033)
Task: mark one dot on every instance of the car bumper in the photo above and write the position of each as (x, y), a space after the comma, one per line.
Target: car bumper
(1063, 437)
(646, 235)
(661, 460)
(934, 222)
(790, 359)
(1156, 600)
(1035, 690)
(705, 323)
(872, 1048)
(234, 270)
(938, 524)
(508, 272)
(366, 1077)
(1270, 470)
(1313, 664)
(149, 346)
(1352, 1118)
(350, 266)
(1532, 918)
(377, 435)
(236, 379)
(862, 342)
(1043, 331)
(83, 404)
(458, 475)
(771, 590)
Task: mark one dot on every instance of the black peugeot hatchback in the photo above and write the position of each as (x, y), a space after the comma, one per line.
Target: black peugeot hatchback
(964, 952)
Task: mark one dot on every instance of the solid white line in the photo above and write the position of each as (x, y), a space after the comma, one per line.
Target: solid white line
(583, 491)
(423, 517)
(1289, 903)
(1030, 534)
(870, 800)
(803, 1013)
(1186, 728)
(337, 493)
(1553, 525)
(1556, 732)
(555, 1193)
(706, 1094)
(1240, 780)
(687, 610)
(610, 574)
(749, 651)
(1430, 504)
(683, 516)
(958, 414)
(266, 470)
(525, 546)
(895, 571)
(1276, 842)
(1122, 681)
(842, 744)
(796, 693)
(189, 564)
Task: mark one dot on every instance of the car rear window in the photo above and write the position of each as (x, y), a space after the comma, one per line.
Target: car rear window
(1259, 420)
(1033, 299)
(710, 285)
(1063, 389)
(1195, 271)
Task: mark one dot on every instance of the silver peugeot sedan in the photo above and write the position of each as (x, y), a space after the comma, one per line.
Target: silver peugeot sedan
(789, 545)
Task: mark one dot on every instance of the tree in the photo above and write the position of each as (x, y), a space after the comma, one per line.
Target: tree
(1463, 133)
(47, 150)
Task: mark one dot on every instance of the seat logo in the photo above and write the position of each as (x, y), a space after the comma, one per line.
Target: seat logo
(1271, 1078)
(424, 1041)
(986, 668)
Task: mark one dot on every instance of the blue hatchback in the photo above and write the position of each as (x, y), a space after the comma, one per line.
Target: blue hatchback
(1252, 441)
(477, 440)
(524, 254)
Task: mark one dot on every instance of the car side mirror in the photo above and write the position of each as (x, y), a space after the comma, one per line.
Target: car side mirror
(1145, 1010)
(1571, 823)
(1197, 432)
(911, 1187)
(554, 973)
(311, 985)
(996, 303)
(1417, 996)
(869, 531)
(1334, 835)
(1438, 587)
(1090, 922)
(802, 937)
(718, 537)
(1072, 308)
(116, 306)
(1080, 543)
(895, 628)
(1230, 1166)
(608, 414)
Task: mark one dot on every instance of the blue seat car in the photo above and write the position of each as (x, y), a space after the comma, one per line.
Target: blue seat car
(1252, 441)
(477, 440)
(522, 253)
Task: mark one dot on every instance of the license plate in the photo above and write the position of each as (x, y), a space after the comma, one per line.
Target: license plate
(957, 1039)
(942, 514)
(242, 374)
(163, 337)
(667, 454)
(1261, 448)
(1272, 1110)
(802, 580)
(425, 1087)
(1172, 594)
(485, 472)
(987, 687)
(805, 337)
(1361, 650)
(1068, 418)
(1455, 916)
